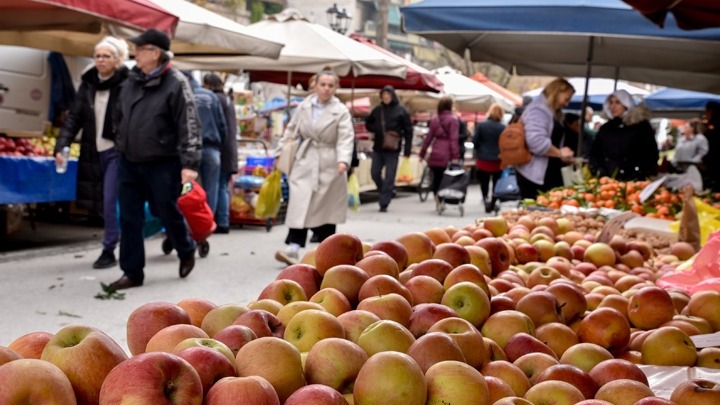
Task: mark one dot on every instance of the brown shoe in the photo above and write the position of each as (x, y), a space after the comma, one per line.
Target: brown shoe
(124, 283)
(186, 266)
(287, 256)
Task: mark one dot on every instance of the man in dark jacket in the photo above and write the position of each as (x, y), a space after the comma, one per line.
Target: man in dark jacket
(160, 148)
(214, 130)
(228, 152)
(390, 115)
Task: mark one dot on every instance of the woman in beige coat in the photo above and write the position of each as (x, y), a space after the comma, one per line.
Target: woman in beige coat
(318, 180)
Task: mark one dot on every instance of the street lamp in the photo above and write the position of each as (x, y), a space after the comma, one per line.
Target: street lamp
(338, 18)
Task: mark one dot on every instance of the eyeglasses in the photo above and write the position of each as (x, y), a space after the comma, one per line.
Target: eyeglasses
(144, 48)
(103, 56)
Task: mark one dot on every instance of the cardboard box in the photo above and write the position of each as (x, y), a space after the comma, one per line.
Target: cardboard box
(11, 217)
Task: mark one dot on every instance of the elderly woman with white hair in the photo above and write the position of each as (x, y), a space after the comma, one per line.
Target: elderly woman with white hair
(94, 111)
(625, 147)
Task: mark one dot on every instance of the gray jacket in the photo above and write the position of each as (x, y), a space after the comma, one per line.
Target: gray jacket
(539, 121)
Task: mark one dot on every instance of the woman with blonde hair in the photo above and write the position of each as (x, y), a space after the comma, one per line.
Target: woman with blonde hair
(318, 180)
(544, 138)
(487, 160)
(95, 112)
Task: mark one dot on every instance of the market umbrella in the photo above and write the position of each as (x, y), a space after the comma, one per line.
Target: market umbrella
(73, 27)
(308, 48)
(678, 100)
(202, 32)
(560, 37)
(416, 77)
(689, 14)
(484, 80)
(598, 91)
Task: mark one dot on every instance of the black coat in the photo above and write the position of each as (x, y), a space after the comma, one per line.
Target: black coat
(625, 148)
(159, 119)
(82, 116)
(396, 118)
(228, 150)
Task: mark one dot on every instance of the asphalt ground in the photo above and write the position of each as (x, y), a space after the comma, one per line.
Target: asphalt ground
(48, 282)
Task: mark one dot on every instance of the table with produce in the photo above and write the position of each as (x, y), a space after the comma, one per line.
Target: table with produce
(561, 301)
(29, 174)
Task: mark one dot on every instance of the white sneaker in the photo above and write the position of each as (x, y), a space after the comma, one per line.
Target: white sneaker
(287, 256)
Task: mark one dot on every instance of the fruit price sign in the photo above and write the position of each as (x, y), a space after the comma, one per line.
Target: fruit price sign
(33, 179)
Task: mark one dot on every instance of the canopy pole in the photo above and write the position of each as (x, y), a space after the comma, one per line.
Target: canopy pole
(583, 107)
(289, 92)
(352, 97)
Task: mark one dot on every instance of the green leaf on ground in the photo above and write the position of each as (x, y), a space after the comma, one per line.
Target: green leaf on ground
(63, 313)
(109, 293)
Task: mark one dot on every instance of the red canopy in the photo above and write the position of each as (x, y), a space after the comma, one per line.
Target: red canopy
(689, 14)
(83, 15)
(509, 95)
(417, 77)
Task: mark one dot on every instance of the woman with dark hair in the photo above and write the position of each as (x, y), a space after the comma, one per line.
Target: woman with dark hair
(625, 147)
(443, 137)
(487, 160)
(544, 136)
(95, 112)
(228, 152)
(318, 180)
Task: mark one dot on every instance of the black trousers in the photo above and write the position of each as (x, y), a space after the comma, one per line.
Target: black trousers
(299, 236)
(484, 180)
(437, 178)
(385, 185)
(158, 183)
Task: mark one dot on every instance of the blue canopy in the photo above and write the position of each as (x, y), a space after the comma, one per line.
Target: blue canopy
(559, 37)
(676, 99)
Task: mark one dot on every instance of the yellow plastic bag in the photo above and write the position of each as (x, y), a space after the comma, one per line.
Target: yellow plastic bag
(708, 217)
(353, 187)
(404, 173)
(269, 197)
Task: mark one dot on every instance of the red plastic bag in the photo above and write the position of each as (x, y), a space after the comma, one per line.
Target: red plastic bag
(704, 274)
(198, 215)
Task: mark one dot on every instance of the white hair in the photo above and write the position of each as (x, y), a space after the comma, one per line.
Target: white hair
(117, 46)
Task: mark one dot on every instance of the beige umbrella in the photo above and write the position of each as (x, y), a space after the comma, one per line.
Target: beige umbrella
(203, 33)
(308, 48)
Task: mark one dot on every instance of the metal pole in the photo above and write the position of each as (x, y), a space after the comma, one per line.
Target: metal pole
(588, 73)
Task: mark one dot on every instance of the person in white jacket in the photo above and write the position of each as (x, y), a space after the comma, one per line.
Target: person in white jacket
(318, 180)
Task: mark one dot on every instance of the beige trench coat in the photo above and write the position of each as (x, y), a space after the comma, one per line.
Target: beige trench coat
(318, 193)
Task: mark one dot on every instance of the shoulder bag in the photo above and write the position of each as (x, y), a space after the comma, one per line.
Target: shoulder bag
(391, 139)
(287, 153)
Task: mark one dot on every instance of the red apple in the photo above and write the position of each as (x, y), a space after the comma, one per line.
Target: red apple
(335, 363)
(262, 323)
(221, 317)
(498, 252)
(253, 390)
(332, 300)
(391, 306)
(86, 355)
(305, 275)
(394, 249)
(389, 378)
(235, 336)
(383, 284)
(424, 290)
(152, 378)
(434, 347)
(424, 316)
(435, 268)
(354, 323)
(340, 248)
(31, 345)
(605, 327)
(196, 308)
(283, 291)
(696, 391)
(571, 375)
(167, 338)
(148, 319)
(376, 263)
(284, 372)
(210, 364)
(617, 369)
(33, 381)
(316, 394)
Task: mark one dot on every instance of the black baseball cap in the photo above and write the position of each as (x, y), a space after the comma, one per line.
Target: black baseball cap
(152, 37)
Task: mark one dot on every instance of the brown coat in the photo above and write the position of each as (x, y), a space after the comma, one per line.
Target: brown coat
(318, 193)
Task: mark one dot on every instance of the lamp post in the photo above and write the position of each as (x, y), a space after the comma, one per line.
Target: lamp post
(338, 19)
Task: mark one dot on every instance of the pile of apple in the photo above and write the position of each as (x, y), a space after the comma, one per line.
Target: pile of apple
(486, 314)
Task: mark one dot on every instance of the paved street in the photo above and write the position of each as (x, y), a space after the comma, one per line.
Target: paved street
(46, 288)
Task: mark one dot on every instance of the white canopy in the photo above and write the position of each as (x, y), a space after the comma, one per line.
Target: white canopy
(308, 48)
(203, 32)
(597, 87)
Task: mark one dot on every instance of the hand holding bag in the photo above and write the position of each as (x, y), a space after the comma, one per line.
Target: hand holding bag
(391, 139)
(287, 154)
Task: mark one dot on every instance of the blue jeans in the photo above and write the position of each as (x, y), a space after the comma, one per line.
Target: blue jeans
(222, 215)
(109, 171)
(210, 175)
(158, 183)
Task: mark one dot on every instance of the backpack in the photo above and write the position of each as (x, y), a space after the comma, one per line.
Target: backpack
(513, 150)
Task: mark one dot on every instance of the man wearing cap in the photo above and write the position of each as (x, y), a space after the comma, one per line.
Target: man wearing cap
(160, 148)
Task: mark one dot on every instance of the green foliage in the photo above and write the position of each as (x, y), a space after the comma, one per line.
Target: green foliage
(257, 11)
